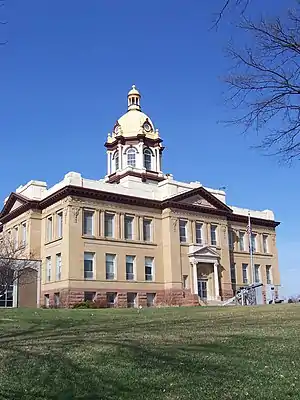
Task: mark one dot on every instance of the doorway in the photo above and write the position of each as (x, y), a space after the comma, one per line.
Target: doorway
(202, 289)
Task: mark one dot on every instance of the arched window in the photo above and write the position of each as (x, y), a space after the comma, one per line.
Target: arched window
(116, 160)
(131, 156)
(147, 159)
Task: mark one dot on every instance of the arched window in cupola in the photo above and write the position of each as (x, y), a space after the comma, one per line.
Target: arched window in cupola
(116, 160)
(131, 157)
(148, 159)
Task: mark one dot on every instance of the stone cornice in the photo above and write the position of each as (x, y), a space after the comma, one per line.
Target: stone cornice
(117, 198)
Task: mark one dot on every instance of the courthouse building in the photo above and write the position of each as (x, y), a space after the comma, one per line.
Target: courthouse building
(137, 236)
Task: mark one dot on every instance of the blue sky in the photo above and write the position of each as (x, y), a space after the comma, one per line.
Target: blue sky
(65, 73)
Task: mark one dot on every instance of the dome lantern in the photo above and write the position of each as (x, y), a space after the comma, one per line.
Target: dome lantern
(134, 99)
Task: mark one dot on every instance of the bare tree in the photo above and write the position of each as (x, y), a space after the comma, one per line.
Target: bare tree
(16, 264)
(239, 5)
(264, 84)
(2, 22)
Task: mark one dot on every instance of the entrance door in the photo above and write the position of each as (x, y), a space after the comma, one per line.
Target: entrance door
(202, 289)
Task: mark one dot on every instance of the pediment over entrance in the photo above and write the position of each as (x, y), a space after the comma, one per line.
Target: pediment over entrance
(197, 198)
(197, 201)
(203, 254)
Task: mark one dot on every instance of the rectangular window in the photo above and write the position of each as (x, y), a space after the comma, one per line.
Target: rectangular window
(185, 281)
(131, 300)
(242, 241)
(24, 233)
(265, 244)
(56, 299)
(182, 231)
(89, 296)
(130, 261)
(256, 273)
(59, 221)
(58, 267)
(147, 230)
(230, 239)
(48, 268)
(213, 235)
(128, 225)
(109, 220)
(111, 299)
(150, 299)
(89, 265)
(46, 300)
(88, 222)
(232, 273)
(269, 274)
(149, 268)
(110, 261)
(199, 233)
(16, 237)
(245, 273)
(6, 299)
(49, 229)
(253, 242)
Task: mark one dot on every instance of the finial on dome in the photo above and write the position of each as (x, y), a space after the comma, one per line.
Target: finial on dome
(134, 98)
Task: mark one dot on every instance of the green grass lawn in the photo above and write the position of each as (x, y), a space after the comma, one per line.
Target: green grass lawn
(175, 353)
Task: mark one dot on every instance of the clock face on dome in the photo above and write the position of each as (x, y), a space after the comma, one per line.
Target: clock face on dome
(147, 127)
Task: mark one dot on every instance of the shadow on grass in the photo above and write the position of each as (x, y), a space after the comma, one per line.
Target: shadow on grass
(129, 358)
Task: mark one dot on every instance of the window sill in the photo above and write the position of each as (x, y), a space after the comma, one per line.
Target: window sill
(115, 240)
(53, 241)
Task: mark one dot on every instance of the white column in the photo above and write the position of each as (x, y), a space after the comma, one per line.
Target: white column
(140, 163)
(15, 292)
(120, 156)
(108, 163)
(216, 277)
(195, 278)
(38, 286)
(158, 161)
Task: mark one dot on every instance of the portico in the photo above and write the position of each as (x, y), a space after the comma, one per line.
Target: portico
(205, 272)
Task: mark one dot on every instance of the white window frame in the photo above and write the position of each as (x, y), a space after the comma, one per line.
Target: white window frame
(131, 276)
(128, 218)
(134, 303)
(147, 153)
(151, 296)
(246, 279)
(59, 224)
(111, 276)
(152, 269)
(233, 269)
(89, 256)
(131, 161)
(216, 234)
(109, 303)
(150, 223)
(58, 266)
(183, 227)
(49, 228)
(16, 237)
(242, 236)
(48, 269)
(253, 239)
(24, 233)
(257, 268)
(109, 217)
(269, 271)
(116, 159)
(199, 240)
(265, 243)
(185, 281)
(85, 230)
